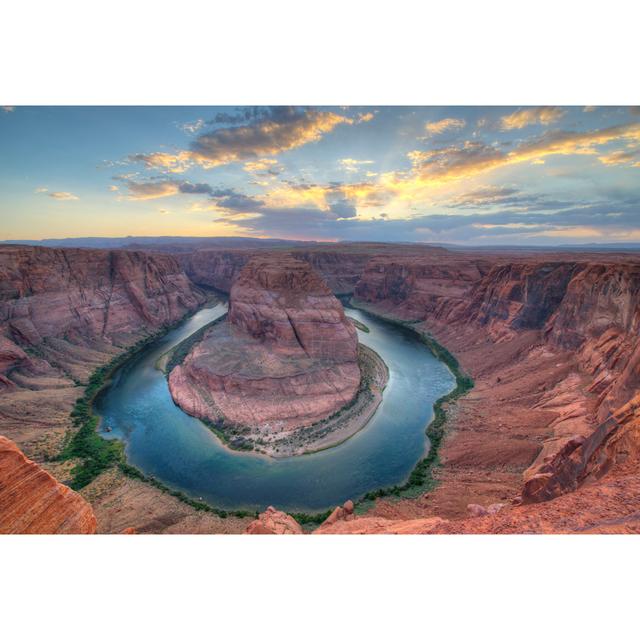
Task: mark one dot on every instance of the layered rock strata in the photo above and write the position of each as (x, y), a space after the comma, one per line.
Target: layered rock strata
(33, 501)
(552, 342)
(64, 312)
(285, 358)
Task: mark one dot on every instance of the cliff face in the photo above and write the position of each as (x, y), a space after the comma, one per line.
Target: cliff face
(88, 295)
(285, 358)
(64, 312)
(553, 345)
(282, 301)
(33, 501)
(214, 268)
(341, 268)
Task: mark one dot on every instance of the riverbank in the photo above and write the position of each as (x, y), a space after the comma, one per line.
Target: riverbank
(327, 433)
(421, 479)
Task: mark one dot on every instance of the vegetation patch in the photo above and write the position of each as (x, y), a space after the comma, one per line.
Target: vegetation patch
(360, 325)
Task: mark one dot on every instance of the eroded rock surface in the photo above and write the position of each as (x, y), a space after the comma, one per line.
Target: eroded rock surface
(272, 521)
(552, 343)
(285, 358)
(65, 312)
(33, 501)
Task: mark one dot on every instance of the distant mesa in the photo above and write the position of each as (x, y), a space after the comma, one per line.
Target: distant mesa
(286, 356)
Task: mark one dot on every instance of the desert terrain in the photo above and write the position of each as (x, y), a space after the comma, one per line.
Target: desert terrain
(546, 441)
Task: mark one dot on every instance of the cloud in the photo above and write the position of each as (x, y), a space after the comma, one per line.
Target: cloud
(162, 188)
(8, 109)
(526, 117)
(620, 157)
(352, 165)
(193, 126)
(170, 162)
(41, 190)
(580, 222)
(63, 195)
(470, 158)
(497, 196)
(269, 132)
(114, 187)
(255, 132)
(264, 167)
(440, 126)
(151, 190)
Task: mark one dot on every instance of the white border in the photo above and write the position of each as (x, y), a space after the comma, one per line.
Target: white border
(334, 52)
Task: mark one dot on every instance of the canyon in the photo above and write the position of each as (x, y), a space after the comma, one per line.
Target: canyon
(549, 432)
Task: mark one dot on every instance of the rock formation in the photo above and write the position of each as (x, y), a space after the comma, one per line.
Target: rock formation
(551, 341)
(275, 522)
(285, 358)
(64, 312)
(33, 501)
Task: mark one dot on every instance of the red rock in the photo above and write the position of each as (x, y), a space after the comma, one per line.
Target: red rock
(65, 312)
(561, 332)
(285, 358)
(476, 510)
(272, 521)
(33, 501)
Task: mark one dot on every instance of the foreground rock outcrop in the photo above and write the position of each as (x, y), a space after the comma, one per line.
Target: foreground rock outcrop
(274, 522)
(33, 501)
(285, 358)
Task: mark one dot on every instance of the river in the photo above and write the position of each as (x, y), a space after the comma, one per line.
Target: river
(180, 451)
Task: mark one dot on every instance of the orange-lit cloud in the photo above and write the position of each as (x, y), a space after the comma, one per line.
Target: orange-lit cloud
(446, 124)
(282, 130)
(170, 162)
(151, 190)
(620, 157)
(526, 117)
(437, 166)
(267, 132)
(264, 167)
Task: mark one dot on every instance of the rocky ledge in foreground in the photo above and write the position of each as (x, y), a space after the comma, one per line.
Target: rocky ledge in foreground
(286, 358)
(33, 501)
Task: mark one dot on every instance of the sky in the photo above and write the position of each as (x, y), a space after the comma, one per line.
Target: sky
(467, 175)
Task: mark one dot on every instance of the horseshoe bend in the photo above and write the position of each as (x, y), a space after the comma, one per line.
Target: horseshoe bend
(285, 359)
(546, 441)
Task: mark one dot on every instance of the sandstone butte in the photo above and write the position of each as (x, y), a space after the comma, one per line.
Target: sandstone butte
(285, 358)
(547, 441)
(33, 501)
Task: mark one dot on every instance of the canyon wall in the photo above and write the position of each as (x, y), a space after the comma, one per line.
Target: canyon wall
(64, 312)
(285, 358)
(553, 344)
(340, 266)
